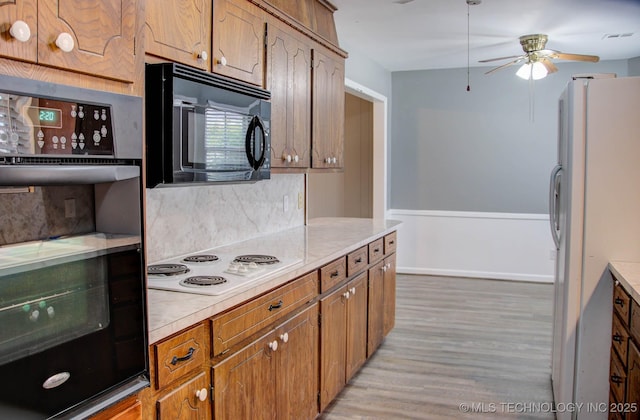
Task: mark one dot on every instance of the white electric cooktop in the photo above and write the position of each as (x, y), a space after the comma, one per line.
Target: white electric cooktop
(211, 273)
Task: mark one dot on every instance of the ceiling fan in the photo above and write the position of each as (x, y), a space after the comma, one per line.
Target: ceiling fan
(537, 59)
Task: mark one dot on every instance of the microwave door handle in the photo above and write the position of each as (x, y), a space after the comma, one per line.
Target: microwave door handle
(250, 143)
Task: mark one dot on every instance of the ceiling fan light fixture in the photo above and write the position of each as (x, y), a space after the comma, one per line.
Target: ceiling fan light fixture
(535, 71)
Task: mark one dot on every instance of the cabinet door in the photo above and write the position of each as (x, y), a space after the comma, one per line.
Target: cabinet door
(375, 307)
(297, 366)
(244, 384)
(356, 324)
(238, 40)
(10, 46)
(289, 80)
(185, 403)
(179, 31)
(633, 379)
(333, 336)
(327, 147)
(389, 317)
(100, 32)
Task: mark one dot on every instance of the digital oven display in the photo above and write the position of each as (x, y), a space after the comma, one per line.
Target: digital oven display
(45, 117)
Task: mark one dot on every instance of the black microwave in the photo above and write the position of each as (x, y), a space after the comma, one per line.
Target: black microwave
(204, 128)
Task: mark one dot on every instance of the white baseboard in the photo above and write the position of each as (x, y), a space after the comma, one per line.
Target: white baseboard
(503, 246)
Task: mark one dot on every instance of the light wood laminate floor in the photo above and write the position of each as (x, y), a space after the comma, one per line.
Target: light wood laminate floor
(461, 348)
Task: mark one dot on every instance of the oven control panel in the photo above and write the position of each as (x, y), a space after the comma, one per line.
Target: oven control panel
(32, 126)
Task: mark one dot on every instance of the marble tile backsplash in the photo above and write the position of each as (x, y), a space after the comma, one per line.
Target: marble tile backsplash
(30, 216)
(183, 220)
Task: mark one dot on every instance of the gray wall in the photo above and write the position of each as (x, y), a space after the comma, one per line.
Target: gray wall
(479, 151)
(366, 72)
(634, 67)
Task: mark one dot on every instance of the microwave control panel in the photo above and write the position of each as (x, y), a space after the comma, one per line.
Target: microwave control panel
(32, 126)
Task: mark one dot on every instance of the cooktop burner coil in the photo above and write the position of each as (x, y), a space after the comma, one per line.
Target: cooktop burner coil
(202, 281)
(167, 269)
(201, 258)
(258, 259)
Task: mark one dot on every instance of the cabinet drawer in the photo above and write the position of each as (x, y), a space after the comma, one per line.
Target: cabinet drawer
(376, 250)
(621, 303)
(247, 319)
(634, 322)
(357, 261)
(332, 274)
(179, 355)
(390, 242)
(617, 379)
(619, 339)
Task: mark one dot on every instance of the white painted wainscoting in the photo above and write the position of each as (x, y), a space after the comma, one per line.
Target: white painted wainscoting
(473, 244)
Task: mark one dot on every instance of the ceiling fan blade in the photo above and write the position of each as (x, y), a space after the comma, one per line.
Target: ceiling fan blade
(574, 57)
(551, 68)
(516, 61)
(500, 58)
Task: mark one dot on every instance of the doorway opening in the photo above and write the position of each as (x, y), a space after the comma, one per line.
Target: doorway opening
(359, 190)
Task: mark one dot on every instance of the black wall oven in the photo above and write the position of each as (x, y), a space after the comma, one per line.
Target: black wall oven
(72, 293)
(204, 128)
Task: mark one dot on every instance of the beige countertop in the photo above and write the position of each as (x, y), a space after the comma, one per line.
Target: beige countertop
(628, 274)
(319, 242)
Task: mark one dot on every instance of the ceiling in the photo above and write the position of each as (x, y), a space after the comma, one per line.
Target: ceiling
(432, 34)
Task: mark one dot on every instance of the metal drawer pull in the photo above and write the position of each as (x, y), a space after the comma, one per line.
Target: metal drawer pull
(187, 356)
(616, 379)
(359, 260)
(335, 274)
(276, 306)
(376, 250)
(617, 338)
(392, 242)
(619, 302)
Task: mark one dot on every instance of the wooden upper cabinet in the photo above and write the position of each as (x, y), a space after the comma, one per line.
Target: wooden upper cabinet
(180, 31)
(238, 40)
(99, 36)
(327, 148)
(289, 80)
(21, 42)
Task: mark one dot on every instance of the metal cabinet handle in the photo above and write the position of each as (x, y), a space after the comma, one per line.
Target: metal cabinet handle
(276, 306)
(616, 379)
(284, 337)
(619, 302)
(273, 345)
(617, 338)
(359, 260)
(186, 357)
(335, 274)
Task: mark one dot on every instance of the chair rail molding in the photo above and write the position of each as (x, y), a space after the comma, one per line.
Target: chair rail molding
(504, 246)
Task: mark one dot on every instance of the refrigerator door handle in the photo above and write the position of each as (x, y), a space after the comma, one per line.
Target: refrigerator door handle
(554, 197)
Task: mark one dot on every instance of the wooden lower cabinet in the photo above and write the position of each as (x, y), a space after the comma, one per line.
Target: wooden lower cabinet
(633, 381)
(624, 368)
(356, 325)
(343, 333)
(376, 302)
(189, 401)
(389, 300)
(273, 377)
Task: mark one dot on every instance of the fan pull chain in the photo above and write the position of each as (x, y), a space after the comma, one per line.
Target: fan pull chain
(469, 3)
(468, 46)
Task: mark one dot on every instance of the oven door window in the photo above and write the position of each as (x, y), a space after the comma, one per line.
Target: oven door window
(49, 305)
(214, 140)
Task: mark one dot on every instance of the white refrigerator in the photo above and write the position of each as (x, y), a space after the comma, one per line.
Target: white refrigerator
(595, 218)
